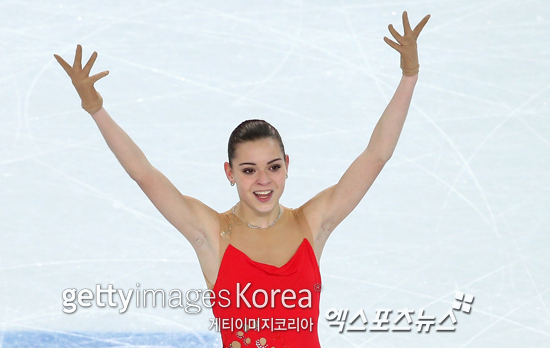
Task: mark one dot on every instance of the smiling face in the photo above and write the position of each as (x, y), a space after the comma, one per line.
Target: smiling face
(259, 170)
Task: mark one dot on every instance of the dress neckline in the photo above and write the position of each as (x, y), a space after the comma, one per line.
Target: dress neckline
(272, 269)
(267, 264)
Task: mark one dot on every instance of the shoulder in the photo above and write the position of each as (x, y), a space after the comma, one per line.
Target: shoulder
(304, 223)
(225, 216)
(219, 223)
(313, 213)
(210, 253)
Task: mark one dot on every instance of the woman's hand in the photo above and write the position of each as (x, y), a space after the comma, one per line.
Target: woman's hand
(84, 84)
(407, 44)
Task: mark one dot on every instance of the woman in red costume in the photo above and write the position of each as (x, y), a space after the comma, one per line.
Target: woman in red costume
(259, 257)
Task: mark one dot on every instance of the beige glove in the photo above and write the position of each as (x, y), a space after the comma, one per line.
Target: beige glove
(84, 84)
(407, 44)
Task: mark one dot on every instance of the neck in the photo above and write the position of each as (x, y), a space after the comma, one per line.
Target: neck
(257, 218)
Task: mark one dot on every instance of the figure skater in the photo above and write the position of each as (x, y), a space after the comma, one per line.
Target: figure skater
(259, 258)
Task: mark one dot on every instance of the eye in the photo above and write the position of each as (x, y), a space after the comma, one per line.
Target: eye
(248, 170)
(276, 167)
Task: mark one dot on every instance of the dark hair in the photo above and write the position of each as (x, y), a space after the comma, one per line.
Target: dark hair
(251, 130)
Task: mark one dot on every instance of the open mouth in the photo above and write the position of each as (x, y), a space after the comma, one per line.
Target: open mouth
(263, 196)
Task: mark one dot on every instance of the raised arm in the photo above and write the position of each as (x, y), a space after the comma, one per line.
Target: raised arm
(196, 221)
(327, 209)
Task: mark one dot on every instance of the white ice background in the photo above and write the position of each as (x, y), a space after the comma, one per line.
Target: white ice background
(461, 206)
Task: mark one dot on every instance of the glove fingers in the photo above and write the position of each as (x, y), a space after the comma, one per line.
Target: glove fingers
(98, 76)
(89, 64)
(395, 34)
(63, 64)
(420, 26)
(394, 45)
(78, 58)
(406, 24)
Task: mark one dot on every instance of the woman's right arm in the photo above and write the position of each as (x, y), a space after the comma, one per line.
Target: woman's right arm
(190, 216)
(196, 221)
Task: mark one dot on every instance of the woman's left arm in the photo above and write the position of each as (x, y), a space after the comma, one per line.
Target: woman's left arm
(327, 209)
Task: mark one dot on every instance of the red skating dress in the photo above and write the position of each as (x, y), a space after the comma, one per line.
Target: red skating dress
(260, 305)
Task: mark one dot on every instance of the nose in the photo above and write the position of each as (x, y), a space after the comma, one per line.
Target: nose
(263, 178)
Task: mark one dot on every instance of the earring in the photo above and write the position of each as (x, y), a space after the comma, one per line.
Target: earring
(287, 175)
(232, 184)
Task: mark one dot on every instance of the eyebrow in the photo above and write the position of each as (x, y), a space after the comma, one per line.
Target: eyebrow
(253, 164)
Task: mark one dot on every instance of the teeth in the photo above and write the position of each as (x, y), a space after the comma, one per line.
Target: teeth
(262, 192)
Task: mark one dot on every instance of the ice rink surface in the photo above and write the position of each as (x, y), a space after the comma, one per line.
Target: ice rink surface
(462, 206)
